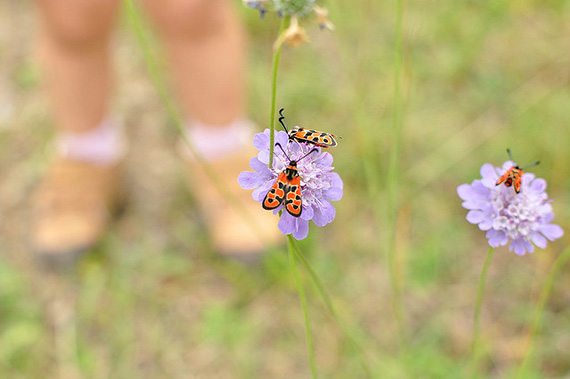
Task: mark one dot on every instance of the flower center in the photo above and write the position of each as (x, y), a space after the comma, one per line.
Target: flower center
(515, 214)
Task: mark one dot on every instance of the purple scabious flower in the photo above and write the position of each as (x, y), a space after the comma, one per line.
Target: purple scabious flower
(523, 218)
(319, 185)
(257, 4)
(298, 8)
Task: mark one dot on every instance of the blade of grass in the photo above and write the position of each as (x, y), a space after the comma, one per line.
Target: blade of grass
(276, 59)
(327, 299)
(477, 314)
(393, 181)
(309, 333)
(557, 266)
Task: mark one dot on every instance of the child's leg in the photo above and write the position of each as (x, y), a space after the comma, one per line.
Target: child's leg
(205, 42)
(74, 46)
(71, 203)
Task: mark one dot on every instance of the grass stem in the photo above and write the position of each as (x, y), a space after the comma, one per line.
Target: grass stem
(477, 313)
(309, 333)
(560, 261)
(356, 342)
(276, 59)
(393, 180)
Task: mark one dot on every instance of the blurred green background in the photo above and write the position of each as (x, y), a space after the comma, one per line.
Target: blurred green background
(155, 301)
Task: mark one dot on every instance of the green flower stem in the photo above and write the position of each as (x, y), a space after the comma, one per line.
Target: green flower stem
(154, 72)
(308, 330)
(177, 118)
(276, 58)
(477, 313)
(326, 298)
(560, 261)
(393, 180)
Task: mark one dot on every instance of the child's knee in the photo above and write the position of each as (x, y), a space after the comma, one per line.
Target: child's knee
(79, 23)
(189, 18)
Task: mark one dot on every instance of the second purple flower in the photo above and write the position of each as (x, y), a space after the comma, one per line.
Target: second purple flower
(524, 218)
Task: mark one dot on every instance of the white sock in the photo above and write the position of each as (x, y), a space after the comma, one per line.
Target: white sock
(102, 145)
(215, 142)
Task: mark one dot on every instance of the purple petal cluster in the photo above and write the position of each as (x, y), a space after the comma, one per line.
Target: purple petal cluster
(294, 7)
(259, 5)
(319, 185)
(524, 218)
(289, 8)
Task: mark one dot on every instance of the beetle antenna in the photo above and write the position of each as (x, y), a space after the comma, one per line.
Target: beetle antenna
(282, 118)
(304, 156)
(530, 165)
(278, 144)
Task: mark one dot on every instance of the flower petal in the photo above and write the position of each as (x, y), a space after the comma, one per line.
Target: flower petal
(260, 167)
(307, 213)
(497, 238)
(334, 194)
(287, 223)
(261, 141)
(464, 191)
(529, 246)
(263, 157)
(336, 181)
(480, 191)
(326, 159)
(488, 171)
(527, 178)
(547, 218)
(475, 216)
(507, 165)
(474, 195)
(518, 246)
(249, 180)
(537, 185)
(324, 213)
(539, 240)
(259, 193)
(487, 223)
(302, 229)
(551, 231)
(489, 175)
(282, 138)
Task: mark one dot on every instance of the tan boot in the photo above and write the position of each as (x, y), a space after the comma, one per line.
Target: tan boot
(241, 230)
(71, 208)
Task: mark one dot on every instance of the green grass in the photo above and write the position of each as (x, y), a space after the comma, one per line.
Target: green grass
(154, 301)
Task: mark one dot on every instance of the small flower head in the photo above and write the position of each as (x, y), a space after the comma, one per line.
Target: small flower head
(260, 5)
(293, 36)
(319, 185)
(322, 15)
(523, 218)
(298, 8)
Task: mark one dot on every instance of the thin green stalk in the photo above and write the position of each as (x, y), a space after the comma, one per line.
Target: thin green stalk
(276, 58)
(178, 119)
(393, 179)
(154, 72)
(477, 312)
(332, 309)
(560, 261)
(308, 330)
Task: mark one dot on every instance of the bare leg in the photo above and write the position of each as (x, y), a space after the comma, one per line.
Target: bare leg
(206, 46)
(74, 46)
(73, 201)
